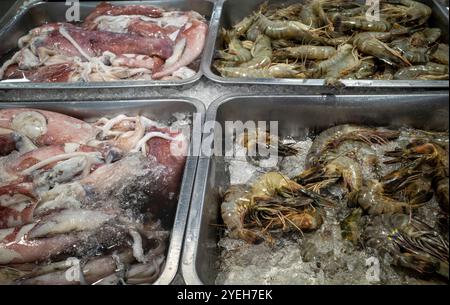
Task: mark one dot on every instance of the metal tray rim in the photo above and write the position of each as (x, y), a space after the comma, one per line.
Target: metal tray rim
(190, 248)
(4, 22)
(181, 215)
(208, 58)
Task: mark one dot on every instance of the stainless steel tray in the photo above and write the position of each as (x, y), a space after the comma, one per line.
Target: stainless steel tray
(229, 12)
(294, 114)
(158, 109)
(23, 17)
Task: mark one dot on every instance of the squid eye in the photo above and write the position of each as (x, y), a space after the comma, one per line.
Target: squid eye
(30, 123)
(113, 155)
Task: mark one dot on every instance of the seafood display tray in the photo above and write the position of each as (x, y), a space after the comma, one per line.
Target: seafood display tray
(161, 109)
(296, 115)
(23, 17)
(229, 12)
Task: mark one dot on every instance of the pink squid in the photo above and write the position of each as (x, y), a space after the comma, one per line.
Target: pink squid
(194, 38)
(107, 9)
(46, 127)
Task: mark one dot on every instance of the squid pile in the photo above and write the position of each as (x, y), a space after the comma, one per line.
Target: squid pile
(387, 189)
(335, 40)
(131, 42)
(101, 194)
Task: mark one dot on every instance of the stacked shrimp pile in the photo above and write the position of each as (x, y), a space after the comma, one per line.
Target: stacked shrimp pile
(335, 40)
(131, 42)
(102, 193)
(383, 202)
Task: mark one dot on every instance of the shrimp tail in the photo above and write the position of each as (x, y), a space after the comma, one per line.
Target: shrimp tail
(250, 236)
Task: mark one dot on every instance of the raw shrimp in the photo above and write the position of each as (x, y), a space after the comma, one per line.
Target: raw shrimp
(351, 226)
(415, 55)
(236, 52)
(236, 205)
(335, 136)
(305, 52)
(261, 206)
(430, 71)
(410, 242)
(343, 24)
(253, 32)
(275, 217)
(243, 26)
(430, 153)
(308, 17)
(274, 71)
(322, 17)
(335, 169)
(251, 140)
(366, 69)
(261, 53)
(426, 37)
(288, 30)
(372, 200)
(407, 11)
(342, 63)
(370, 43)
(441, 54)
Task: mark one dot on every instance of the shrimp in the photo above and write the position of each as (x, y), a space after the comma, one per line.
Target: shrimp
(417, 136)
(272, 202)
(308, 17)
(341, 167)
(236, 52)
(430, 71)
(440, 55)
(366, 69)
(273, 183)
(235, 207)
(305, 52)
(288, 30)
(283, 43)
(407, 11)
(441, 190)
(351, 226)
(359, 151)
(370, 43)
(253, 32)
(426, 37)
(386, 73)
(250, 140)
(261, 206)
(344, 61)
(243, 26)
(344, 24)
(398, 179)
(287, 13)
(274, 217)
(261, 53)
(221, 64)
(372, 200)
(335, 136)
(358, 11)
(430, 153)
(418, 191)
(274, 71)
(415, 55)
(410, 242)
(322, 17)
